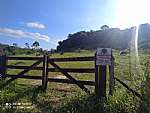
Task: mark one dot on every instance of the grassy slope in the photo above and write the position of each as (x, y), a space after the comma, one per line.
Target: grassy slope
(70, 99)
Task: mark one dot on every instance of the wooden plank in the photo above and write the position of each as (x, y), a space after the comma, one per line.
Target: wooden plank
(90, 58)
(92, 83)
(74, 70)
(102, 81)
(23, 58)
(23, 67)
(70, 77)
(25, 76)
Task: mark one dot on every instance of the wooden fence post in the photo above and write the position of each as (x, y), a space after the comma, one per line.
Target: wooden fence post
(111, 77)
(96, 77)
(100, 79)
(45, 72)
(103, 57)
(46, 66)
(3, 62)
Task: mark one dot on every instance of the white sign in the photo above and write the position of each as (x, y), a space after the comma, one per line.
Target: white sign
(103, 56)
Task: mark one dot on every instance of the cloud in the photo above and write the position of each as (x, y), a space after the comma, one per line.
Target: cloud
(38, 36)
(36, 25)
(12, 32)
(21, 34)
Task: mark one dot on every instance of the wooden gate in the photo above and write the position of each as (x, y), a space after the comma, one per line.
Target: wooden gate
(56, 68)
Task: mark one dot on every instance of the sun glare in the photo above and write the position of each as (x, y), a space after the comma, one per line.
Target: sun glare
(132, 12)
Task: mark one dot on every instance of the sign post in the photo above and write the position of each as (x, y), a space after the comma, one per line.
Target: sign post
(103, 58)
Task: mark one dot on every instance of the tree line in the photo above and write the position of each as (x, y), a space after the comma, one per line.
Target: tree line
(16, 50)
(105, 37)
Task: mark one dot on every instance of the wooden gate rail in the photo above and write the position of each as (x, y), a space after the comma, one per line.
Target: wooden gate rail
(90, 58)
(23, 67)
(24, 76)
(73, 70)
(23, 58)
(91, 83)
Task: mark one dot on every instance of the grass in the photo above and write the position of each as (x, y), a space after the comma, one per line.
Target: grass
(64, 98)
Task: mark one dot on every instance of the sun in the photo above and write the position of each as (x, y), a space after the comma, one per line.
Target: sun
(132, 12)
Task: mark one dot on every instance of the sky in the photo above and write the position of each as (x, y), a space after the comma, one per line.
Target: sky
(49, 21)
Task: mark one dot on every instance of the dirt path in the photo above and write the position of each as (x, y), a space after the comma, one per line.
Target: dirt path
(59, 76)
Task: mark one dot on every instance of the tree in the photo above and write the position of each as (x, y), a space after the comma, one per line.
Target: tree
(15, 44)
(60, 42)
(104, 27)
(36, 44)
(27, 45)
(69, 35)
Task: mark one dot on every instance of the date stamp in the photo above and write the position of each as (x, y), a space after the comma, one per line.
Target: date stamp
(26, 105)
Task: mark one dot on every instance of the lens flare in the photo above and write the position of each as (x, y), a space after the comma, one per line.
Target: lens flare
(135, 59)
(136, 43)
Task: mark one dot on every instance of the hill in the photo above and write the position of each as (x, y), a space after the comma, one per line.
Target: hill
(106, 37)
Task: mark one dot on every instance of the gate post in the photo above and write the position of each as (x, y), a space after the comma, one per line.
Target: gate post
(45, 72)
(3, 62)
(102, 59)
(96, 77)
(100, 79)
(46, 67)
(111, 77)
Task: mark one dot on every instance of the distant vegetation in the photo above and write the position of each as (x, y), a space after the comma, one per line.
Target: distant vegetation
(105, 37)
(16, 50)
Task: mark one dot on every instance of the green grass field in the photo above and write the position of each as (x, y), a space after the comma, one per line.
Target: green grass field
(64, 98)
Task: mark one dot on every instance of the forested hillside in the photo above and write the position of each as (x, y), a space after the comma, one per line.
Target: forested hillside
(106, 37)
